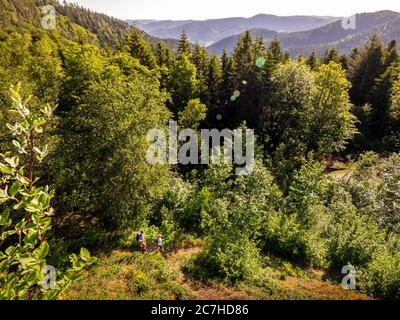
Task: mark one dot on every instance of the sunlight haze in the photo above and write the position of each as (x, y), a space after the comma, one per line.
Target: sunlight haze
(210, 9)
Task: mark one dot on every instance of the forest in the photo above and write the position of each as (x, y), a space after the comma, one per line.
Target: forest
(76, 105)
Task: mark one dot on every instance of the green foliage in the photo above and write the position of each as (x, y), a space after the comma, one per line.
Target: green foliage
(374, 187)
(353, 241)
(381, 277)
(41, 79)
(26, 214)
(233, 220)
(193, 114)
(114, 83)
(231, 255)
(184, 45)
(310, 110)
(183, 83)
(99, 164)
(365, 67)
(329, 124)
(139, 49)
(126, 275)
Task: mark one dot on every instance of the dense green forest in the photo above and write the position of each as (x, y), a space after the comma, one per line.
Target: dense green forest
(77, 102)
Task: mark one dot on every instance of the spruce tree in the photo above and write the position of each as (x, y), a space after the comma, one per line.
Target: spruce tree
(164, 55)
(312, 61)
(392, 53)
(214, 83)
(366, 66)
(139, 49)
(200, 59)
(331, 55)
(381, 101)
(274, 52)
(243, 55)
(184, 45)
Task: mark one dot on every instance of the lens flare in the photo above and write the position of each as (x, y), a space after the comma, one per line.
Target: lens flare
(260, 62)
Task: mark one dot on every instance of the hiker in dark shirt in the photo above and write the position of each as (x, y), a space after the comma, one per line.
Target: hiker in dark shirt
(142, 241)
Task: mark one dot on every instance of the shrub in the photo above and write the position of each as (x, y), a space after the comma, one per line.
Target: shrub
(232, 256)
(381, 276)
(374, 186)
(285, 236)
(25, 214)
(353, 240)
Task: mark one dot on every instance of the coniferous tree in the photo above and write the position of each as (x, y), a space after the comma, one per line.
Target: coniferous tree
(275, 54)
(381, 101)
(366, 66)
(226, 86)
(184, 45)
(312, 61)
(200, 59)
(244, 56)
(392, 53)
(140, 49)
(331, 55)
(249, 58)
(229, 85)
(214, 83)
(164, 55)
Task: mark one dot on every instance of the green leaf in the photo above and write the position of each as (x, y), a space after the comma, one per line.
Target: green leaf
(43, 250)
(20, 225)
(16, 186)
(5, 169)
(10, 250)
(30, 240)
(5, 215)
(85, 254)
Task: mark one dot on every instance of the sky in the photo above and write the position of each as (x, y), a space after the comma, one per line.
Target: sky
(211, 9)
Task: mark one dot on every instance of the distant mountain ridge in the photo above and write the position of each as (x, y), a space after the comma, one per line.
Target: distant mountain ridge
(384, 23)
(210, 31)
(298, 34)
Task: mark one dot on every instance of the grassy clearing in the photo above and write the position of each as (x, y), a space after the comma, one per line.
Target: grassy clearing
(124, 275)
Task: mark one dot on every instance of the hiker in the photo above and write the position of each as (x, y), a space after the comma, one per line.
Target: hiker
(141, 239)
(159, 243)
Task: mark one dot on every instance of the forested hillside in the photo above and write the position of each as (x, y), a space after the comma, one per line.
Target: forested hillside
(332, 35)
(213, 30)
(76, 106)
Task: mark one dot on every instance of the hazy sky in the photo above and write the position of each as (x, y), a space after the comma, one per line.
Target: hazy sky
(208, 9)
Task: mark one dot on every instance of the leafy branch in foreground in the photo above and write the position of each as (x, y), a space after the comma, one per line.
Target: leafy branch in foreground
(25, 214)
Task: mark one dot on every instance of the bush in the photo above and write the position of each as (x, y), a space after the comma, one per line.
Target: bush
(374, 186)
(285, 236)
(381, 276)
(231, 255)
(299, 230)
(151, 279)
(353, 240)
